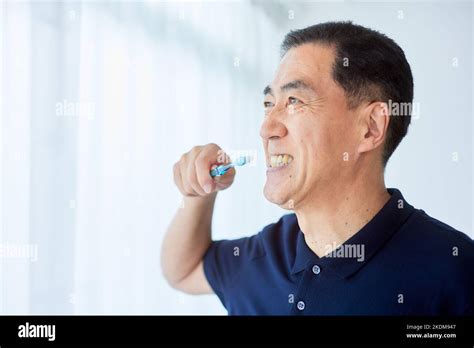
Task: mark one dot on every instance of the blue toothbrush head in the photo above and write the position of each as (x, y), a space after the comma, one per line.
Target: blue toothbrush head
(222, 169)
(243, 160)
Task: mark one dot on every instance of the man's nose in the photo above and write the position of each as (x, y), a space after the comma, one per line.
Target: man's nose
(272, 127)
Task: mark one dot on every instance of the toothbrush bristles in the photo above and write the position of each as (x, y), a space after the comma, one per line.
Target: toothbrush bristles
(243, 160)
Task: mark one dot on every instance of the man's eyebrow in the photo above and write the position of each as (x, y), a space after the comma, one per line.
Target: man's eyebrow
(296, 84)
(267, 90)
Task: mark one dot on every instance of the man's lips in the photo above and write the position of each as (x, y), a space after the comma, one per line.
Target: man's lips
(277, 169)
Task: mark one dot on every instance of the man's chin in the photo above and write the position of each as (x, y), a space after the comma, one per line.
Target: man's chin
(278, 197)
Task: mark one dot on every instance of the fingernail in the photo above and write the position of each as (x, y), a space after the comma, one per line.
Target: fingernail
(207, 188)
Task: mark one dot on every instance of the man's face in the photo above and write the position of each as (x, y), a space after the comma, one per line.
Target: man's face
(307, 122)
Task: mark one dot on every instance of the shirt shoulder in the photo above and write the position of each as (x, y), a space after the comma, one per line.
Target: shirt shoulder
(226, 260)
(437, 235)
(443, 257)
(451, 250)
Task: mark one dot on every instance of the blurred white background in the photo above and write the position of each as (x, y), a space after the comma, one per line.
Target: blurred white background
(99, 99)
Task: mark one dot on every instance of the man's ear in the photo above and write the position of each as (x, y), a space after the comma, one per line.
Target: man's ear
(374, 121)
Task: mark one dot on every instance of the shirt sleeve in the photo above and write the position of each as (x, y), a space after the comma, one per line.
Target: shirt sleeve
(225, 260)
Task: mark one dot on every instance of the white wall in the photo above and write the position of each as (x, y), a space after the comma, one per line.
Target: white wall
(92, 188)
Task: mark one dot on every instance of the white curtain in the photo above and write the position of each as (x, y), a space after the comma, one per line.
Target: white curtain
(99, 99)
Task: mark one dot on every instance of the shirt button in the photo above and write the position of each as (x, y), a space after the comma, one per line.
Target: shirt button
(300, 305)
(316, 269)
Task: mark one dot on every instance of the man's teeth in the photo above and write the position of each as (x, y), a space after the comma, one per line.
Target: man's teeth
(280, 160)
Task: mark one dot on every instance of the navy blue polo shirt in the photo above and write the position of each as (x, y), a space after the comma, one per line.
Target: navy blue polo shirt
(402, 262)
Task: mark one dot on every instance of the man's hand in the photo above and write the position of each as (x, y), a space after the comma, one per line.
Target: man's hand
(191, 172)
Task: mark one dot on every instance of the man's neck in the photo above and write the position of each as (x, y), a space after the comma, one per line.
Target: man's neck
(329, 220)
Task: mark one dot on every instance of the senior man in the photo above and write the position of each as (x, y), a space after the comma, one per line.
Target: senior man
(352, 246)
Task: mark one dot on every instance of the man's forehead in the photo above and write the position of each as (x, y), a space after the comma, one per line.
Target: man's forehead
(309, 62)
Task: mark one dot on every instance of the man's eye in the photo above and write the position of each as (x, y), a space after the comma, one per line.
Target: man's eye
(293, 101)
(267, 104)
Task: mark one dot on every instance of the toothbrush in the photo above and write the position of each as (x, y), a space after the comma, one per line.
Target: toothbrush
(222, 169)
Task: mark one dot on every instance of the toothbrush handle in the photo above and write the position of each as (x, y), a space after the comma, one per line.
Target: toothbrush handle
(220, 170)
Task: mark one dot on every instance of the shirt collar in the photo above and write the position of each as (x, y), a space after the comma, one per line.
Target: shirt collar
(345, 260)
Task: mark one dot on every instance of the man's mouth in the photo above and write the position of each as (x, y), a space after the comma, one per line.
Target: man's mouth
(280, 160)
